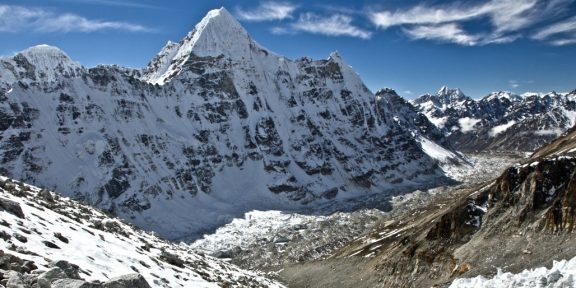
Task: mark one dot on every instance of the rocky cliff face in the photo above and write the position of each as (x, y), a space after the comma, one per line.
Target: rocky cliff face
(215, 126)
(500, 121)
(523, 219)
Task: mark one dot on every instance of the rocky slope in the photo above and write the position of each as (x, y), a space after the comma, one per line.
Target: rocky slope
(214, 127)
(500, 121)
(40, 229)
(523, 219)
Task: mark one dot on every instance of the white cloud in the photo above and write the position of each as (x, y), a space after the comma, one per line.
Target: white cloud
(445, 32)
(21, 19)
(267, 11)
(562, 42)
(467, 124)
(500, 128)
(508, 19)
(423, 15)
(281, 31)
(562, 33)
(118, 3)
(408, 92)
(334, 25)
(515, 83)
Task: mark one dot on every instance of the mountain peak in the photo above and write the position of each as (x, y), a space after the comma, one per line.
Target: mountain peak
(220, 13)
(218, 33)
(44, 49)
(444, 91)
(48, 63)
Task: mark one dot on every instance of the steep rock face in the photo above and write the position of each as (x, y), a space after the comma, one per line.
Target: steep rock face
(408, 116)
(214, 127)
(500, 121)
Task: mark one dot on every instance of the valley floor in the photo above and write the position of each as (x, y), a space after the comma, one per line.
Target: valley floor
(275, 241)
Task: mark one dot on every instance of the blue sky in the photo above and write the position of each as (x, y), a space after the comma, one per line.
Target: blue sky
(413, 47)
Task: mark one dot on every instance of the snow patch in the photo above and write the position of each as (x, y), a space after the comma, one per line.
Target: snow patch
(553, 132)
(560, 275)
(436, 151)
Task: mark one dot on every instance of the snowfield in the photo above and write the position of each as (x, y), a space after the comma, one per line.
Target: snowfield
(57, 228)
(562, 274)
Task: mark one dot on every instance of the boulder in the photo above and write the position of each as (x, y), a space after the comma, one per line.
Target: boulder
(45, 279)
(73, 283)
(172, 259)
(71, 270)
(15, 280)
(127, 281)
(11, 207)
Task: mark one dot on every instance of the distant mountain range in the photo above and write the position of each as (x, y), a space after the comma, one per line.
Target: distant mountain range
(500, 121)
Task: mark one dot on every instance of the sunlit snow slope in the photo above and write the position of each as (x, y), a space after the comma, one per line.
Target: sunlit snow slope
(53, 228)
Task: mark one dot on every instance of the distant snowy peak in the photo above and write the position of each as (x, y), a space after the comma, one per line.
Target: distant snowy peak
(445, 91)
(218, 34)
(501, 120)
(42, 64)
(503, 95)
(444, 98)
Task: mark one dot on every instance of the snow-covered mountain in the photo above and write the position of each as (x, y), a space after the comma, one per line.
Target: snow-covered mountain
(42, 233)
(500, 121)
(215, 126)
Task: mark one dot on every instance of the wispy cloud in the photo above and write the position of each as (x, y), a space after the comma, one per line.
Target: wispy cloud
(444, 32)
(515, 83)
(267, 11)
(561, 33)
(334, 25)
(14, 19)
(507, 18)
(118, 3)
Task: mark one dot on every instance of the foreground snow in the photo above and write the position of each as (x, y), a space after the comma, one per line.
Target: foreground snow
(104, 247)
(560, 275)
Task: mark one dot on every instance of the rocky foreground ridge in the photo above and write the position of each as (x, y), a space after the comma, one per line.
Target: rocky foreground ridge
(523, 219)
(47, 240)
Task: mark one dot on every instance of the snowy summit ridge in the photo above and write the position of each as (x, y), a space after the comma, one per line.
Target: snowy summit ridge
(219, 33)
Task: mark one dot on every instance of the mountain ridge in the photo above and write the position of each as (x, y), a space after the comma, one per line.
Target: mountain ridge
(221, 136)
(501, 121)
